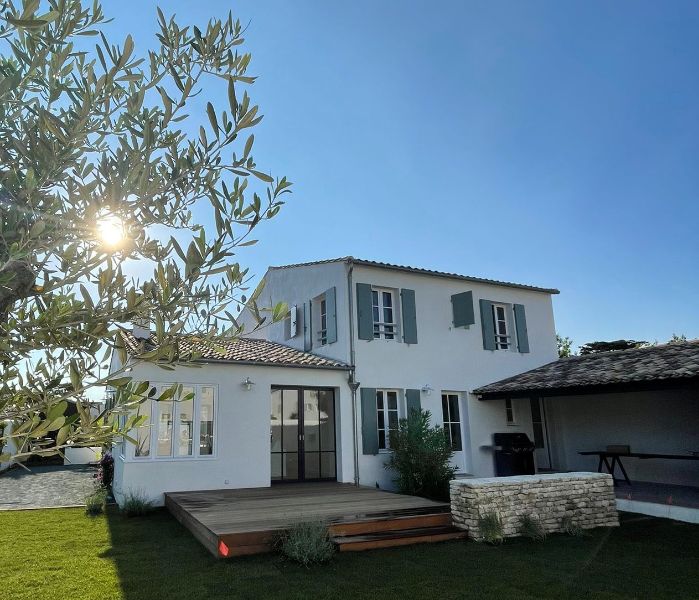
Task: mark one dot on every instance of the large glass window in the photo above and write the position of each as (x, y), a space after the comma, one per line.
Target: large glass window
(185, 422)
(206, 421)
(143, 432)
(165, 419)
(176, 421)
(386, 416)
(451, 417)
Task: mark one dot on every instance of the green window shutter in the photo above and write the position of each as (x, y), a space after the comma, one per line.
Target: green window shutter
(412, 400)
(331, 315)
(521, 327)
(462, 308)
(407, 299)
(365, 318)
(487, 324)
(370, 432)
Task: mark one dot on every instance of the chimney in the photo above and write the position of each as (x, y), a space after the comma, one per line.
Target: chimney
(141, 328)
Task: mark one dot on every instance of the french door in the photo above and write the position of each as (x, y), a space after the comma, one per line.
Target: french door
(303, 434)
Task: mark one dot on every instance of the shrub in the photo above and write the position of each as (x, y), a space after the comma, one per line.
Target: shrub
(96, 501)
(421, 457)
(531, 527)
(105, 473)
(491, 528)
(570, 526)
(307, 543)
(136, 504)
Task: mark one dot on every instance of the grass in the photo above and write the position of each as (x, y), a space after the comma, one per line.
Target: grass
(61, 553)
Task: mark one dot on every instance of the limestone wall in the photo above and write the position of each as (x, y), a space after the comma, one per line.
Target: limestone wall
(554, 499)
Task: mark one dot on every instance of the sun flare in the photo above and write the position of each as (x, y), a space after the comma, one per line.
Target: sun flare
(111, 231)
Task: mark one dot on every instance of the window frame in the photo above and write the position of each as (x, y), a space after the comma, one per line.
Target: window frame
(499, 336)
(446, 425)
(153, 425)
(385, 410)
(380, 326)
(510, 413)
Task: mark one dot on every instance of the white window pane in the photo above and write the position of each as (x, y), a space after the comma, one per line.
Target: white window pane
(165, 418)
(143, 432)
(185, 423)
(388, 299)
(392, 399)
(206, 421)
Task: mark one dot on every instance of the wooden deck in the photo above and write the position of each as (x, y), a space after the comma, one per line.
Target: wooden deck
(246, 521)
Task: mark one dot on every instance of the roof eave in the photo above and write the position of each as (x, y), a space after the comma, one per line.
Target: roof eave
(583, 390)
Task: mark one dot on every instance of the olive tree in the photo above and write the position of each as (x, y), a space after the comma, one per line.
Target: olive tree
(107, 177)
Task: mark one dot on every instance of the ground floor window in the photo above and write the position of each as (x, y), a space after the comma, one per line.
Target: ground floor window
(451, 417)
(386, 416)
(510, 415)
(171, 423)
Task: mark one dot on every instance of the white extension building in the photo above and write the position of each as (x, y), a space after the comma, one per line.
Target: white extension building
(315, 396)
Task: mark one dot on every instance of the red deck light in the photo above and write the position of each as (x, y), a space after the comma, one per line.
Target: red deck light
(223, 550)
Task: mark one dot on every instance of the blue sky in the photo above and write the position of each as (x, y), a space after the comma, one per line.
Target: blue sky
(543, 142)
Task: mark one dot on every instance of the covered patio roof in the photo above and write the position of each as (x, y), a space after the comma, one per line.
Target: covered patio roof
(655, 367)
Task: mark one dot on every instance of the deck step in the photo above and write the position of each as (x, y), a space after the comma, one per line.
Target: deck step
(403, 537)
(392, 523)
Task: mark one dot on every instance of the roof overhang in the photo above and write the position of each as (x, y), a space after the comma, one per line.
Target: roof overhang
(583, 390)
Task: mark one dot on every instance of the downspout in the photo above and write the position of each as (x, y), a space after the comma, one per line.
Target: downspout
(353, 383)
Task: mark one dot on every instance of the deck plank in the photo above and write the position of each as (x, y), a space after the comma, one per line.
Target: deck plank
(216, 514)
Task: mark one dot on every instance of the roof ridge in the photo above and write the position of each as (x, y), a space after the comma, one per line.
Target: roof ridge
(419, 270)
(649, 347)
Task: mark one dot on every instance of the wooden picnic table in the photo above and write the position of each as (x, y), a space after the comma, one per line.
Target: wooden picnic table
(606, 455)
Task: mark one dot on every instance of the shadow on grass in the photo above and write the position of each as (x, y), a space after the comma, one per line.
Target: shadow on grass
(156, 558)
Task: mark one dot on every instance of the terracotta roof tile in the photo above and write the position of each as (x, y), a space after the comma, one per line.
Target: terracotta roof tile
(244, 351)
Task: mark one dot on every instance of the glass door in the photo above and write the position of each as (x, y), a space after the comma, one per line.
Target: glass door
(303, 434)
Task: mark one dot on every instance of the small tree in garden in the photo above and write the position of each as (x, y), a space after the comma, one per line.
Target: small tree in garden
(103, 161)
(565, 346)
(421, 457)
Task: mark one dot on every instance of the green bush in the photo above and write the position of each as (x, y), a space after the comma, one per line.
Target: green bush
(307, 543)
(96, 501)
(421, 457)
(491, 528)
(531, 527)
(136, 504)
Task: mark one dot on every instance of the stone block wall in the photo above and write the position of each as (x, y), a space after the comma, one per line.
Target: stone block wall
(585, 498)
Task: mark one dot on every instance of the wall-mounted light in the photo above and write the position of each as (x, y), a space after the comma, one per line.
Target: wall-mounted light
(427, 389)
(247, 383)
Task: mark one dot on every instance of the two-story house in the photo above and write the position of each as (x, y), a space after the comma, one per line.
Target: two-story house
(314, 397)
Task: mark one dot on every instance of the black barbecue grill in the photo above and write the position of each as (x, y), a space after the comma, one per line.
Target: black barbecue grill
(514, 454)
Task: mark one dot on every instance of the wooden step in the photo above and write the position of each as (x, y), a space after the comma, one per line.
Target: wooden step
(389, 539)
(372, 525)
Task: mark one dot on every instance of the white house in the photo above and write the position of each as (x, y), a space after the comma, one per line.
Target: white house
(315, 396)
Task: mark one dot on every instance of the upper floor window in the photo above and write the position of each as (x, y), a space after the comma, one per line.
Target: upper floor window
(386, 416)
(502, 334)
(383, 306)
(323, 319)
(323, 331)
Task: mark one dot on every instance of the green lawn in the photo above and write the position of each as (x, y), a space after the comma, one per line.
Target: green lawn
(63, 554)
